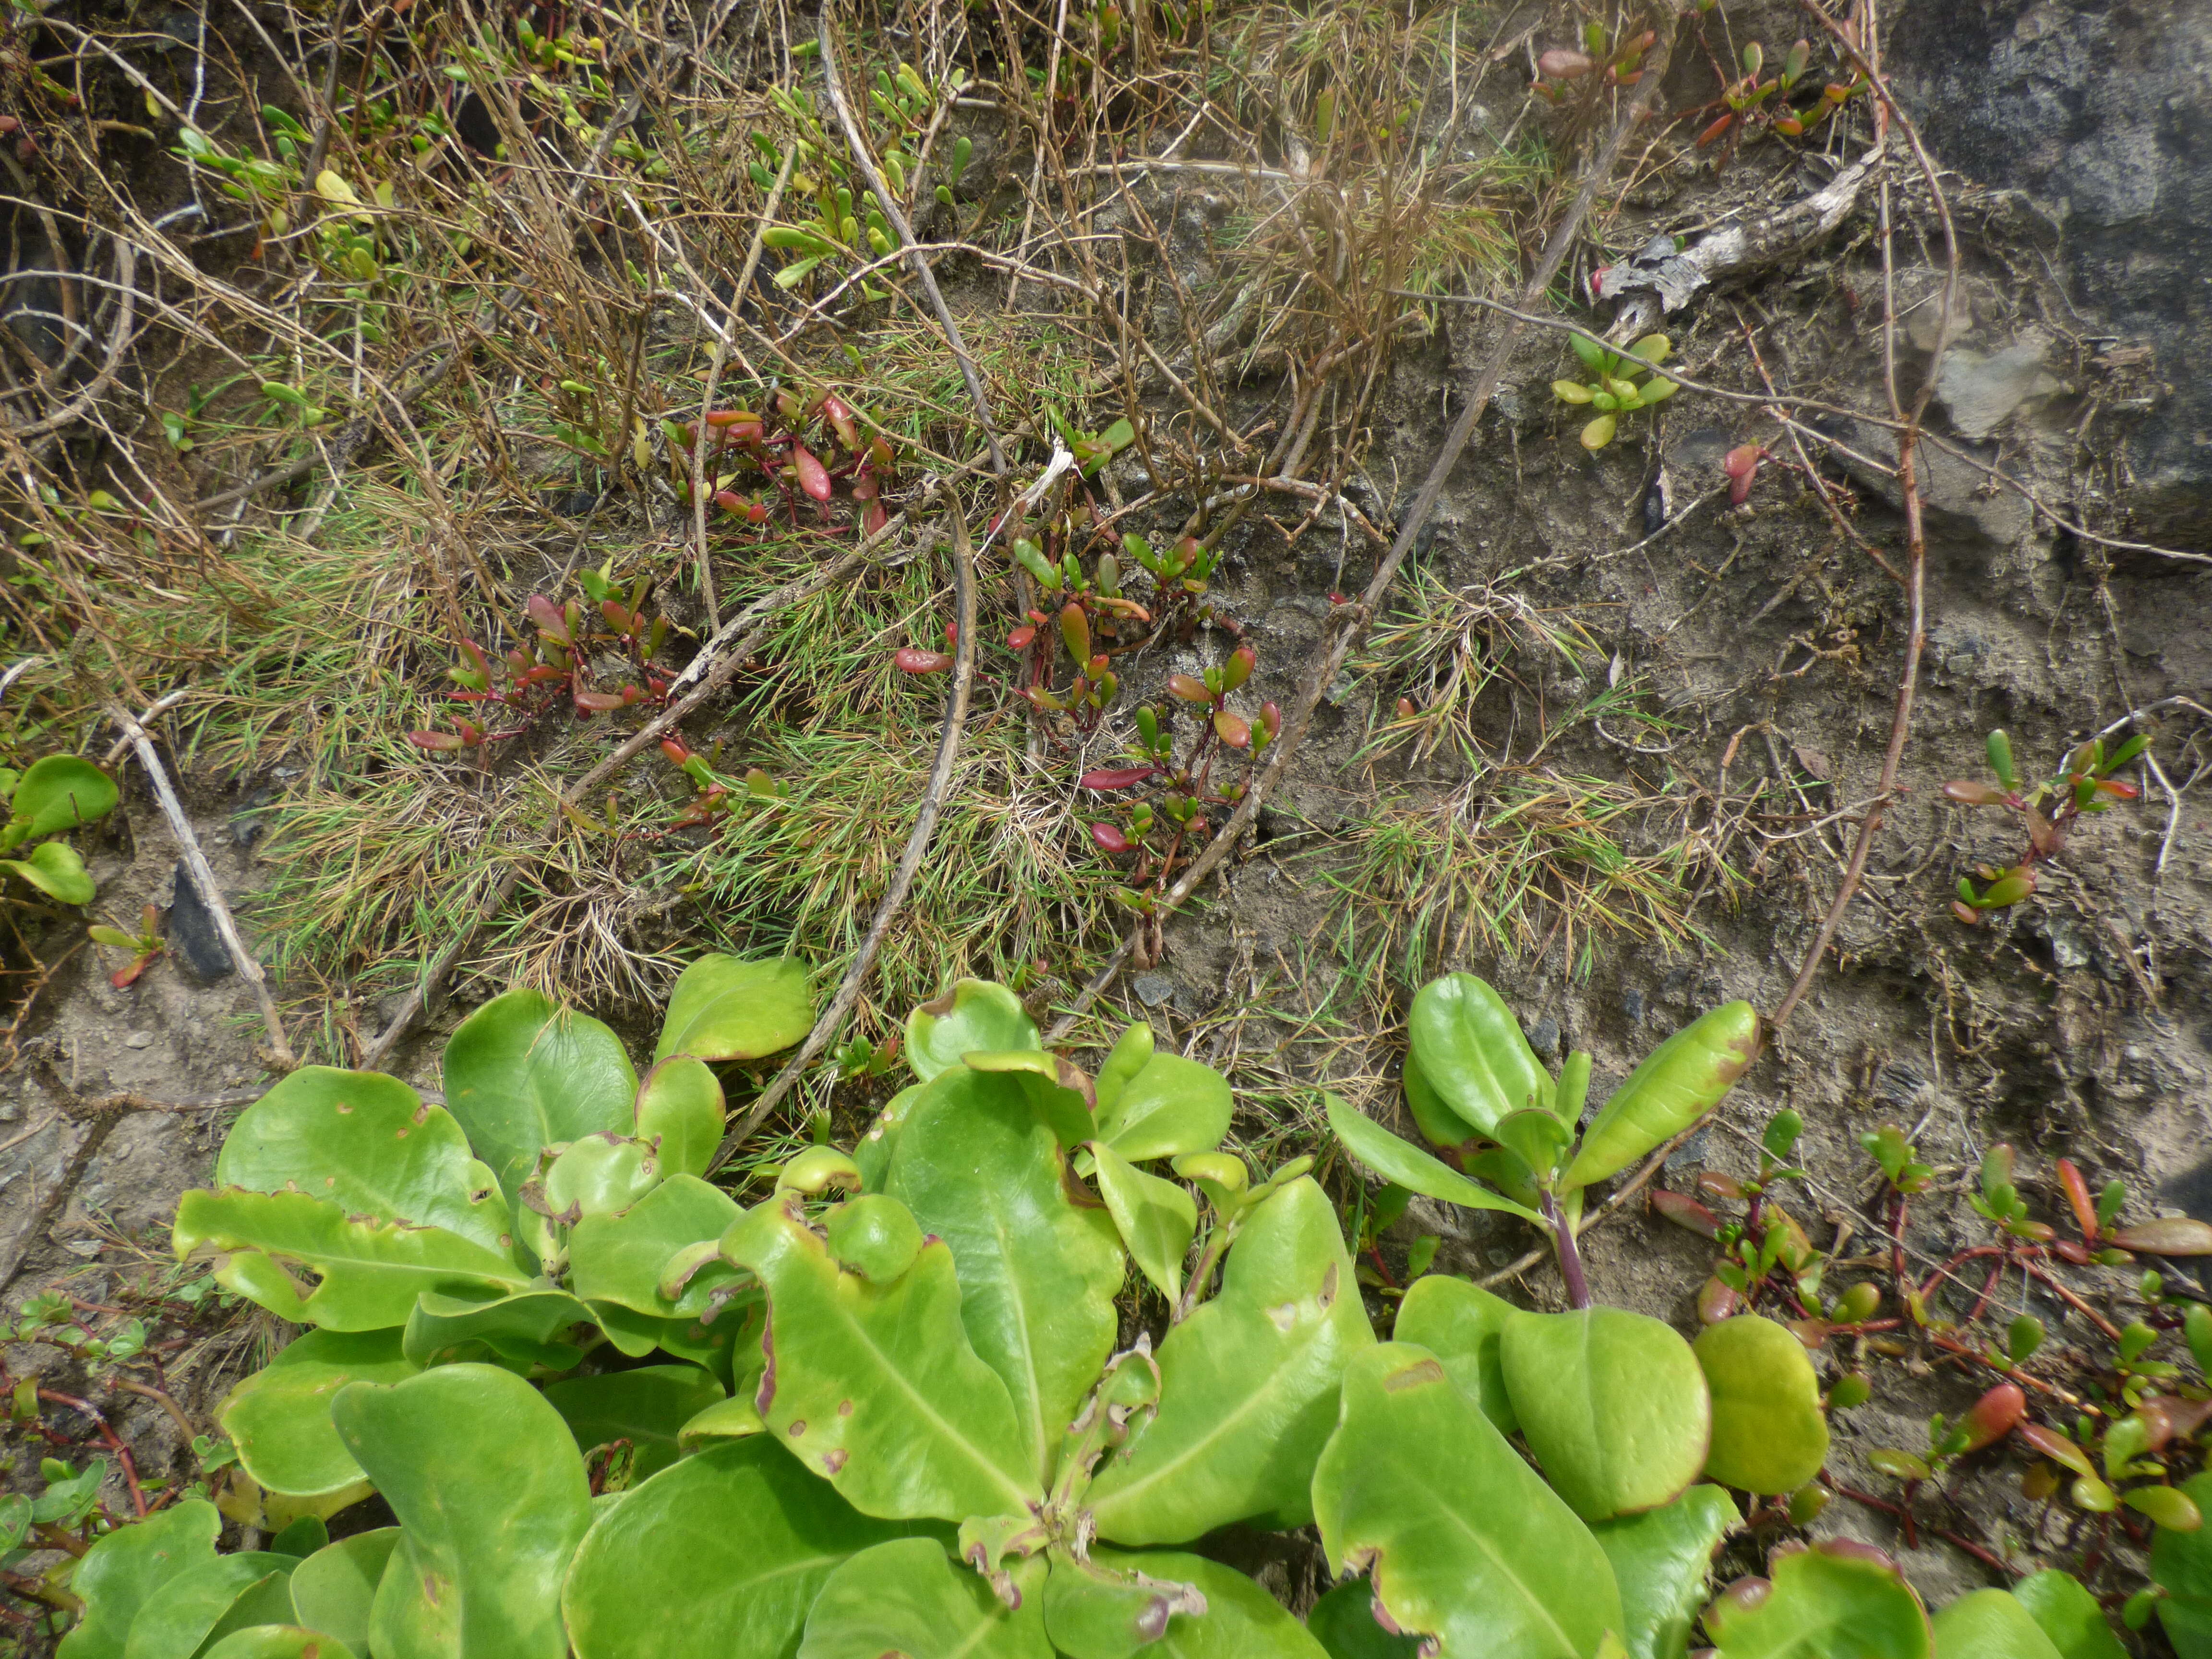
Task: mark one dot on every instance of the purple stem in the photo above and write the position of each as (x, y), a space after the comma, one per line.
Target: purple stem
(1570, 1256)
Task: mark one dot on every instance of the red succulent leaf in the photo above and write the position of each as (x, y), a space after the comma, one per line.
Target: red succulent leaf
(2077, 1197)
(1232, 729)
(1109, 839)
(729, 501)
(1019, 639)
(839, 414)
(1993, 1415)
(1741, 467)
(1686, 1211)
(1715, 130)
(911, 659)
(674, 749)
(548, 618)
(1562, 63)
(1965, 792)
(1189, 688)
(437, 742)
(2118, 789)
(598, 702)
(813, 476)
(1117, 777)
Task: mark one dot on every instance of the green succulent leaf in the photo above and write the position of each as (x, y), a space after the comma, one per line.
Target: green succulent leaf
(1156, 1218)
(126, 1568)
(975, 1016)
(680, 1111)
(1095, 1611)
(369, 1272)
(1612, 1403)
(876, 1387)
(1057, 1092)
(1594, 356)
(1172, 1107)
(1661, 1560)
(1831, 1602)
(2065, 1611)
(54, 868)
(1464, 1326)
(333, 1589)
(530, 1328)
(646, 1407)
(1461, 1539)
(726, 1008)
(1769, 1433)
(624, 1258)
(208, 1601)
(370, 1144)
(1037, 1269)
(1472, 1053)
(1440, 1125)
(1247, 1385)
(599, 1174)
(1679, 1082)
(523, 1074)
(2181, 1566)
(1131, 1054)
(908, 1597)
(279, 1417)
(727, 1549)
(58, 792)
(1241, 1620)
(489, 1490)
(1990, 1624)
(1599, 432)
(277, 1642)
(1406, 1164)
(1343, 1622)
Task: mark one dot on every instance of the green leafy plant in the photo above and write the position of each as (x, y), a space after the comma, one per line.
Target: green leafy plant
(2084, 786)
(1618, 384)
(774, 446)
(143, 946)
(45, 801)
(1752, 100)
(1604, 59)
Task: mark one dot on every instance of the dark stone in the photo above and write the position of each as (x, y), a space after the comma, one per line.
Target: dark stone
(194, 939)
(1632, 1006)
(1544, 1037)
(1153, 989)
(1691, 1151)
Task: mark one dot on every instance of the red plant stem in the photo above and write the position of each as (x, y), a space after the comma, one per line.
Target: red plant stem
(1904, 1516)
(1570, 1256)
(109, 1435)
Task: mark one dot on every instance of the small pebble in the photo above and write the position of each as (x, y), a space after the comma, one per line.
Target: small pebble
(139, 1040)
(1544, 1037)
(1632, 1006)
(1153, 989)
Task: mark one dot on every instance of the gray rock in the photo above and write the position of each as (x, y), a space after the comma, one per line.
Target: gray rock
(194, 939)
(1153, 989)
(1981, 394)
(1691, 1151)
(1632, 1006)
(1544, 1037)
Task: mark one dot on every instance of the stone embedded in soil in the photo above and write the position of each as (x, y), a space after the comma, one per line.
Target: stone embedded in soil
(193, 936)
(1544, 1037)
(1153, 989)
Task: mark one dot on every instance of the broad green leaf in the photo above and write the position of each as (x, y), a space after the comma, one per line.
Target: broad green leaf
(1172, 1107)
(57, 793)
(908, 1597)
(975, 1016)
(718, 1557)
(531, 1328)
(334, 1588)
(1038, 1270)
(1679, 1082)
(1472, 1055)
(872, 1155)
(1247, 1385)
(1769, 1433)
(1131, 1054)
(1661, 1560)
(1343, 1622)
(680, 1111)
(713, 1342)
(370, 1144)
(279, 1417)
(278, 1642)
(1463, 1325)
(1156, 1218)
(623, 1258)
(176, 1618)
(1406, 1164)
(368, 1274)
(123, 1569)
(489, 1490)
(1834, 1600)
(733, 1419)
(523, 1074)
(723, 1008)
(301, 1538)
(2181, 1566)
(2069, 1615)
(56, 870)
(646, 1407)
(1096, 1610)
(1462, 1540)
(1990, 1624)
(1438, 1121)
(599, 1174)
(875, 1386)
(1058, 1094)
(1241, 1620)
(1612, 1403)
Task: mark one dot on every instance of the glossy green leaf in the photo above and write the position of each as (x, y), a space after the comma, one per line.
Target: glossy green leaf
(1241, 1620)
(1612, 1404)
(624, 1258)
(1769, 1433)
(733, 1419)
(128, 1566)
(1092, 1610)
(975, 1016)
(908, 1597)
(334, 1588)
(1037, 1269)
(646, 1407)
(1463, 1325)
(1835, 1601)
(725, 1551)
(1058, 1093)
(599, 1174)
(876, 1386)
(366, 1273)
(175, 1619)
(1172, 1107)
(726, 1008)
(1406, 1164)
(370, 1144)
(301, 1538)
(2067, 1613)
(1247, 1385)
(544, 1328)
(2181, 1566)
(1990, 1623)
(1343, 1622)
(55, 869)
(680, 1111)
(489, 1490)
(278, 1642)
(1156, 1218)
(1661, 1560)
(58, 792)
(1472, 1053)
(279, 1417)
(1131, 1054)
(1679, 1082)
(1436, 1122)
(1462, 1540)
(872, 1155)
(522, 1075)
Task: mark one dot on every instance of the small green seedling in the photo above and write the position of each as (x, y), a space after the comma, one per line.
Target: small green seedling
(1619, 385)
(143, 946)
(2084, 786)
(55, 795)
